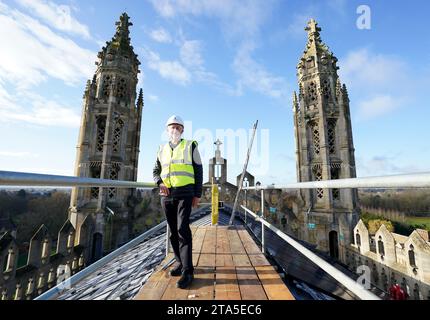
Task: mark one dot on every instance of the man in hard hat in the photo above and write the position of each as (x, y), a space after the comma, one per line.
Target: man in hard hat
(178, 172)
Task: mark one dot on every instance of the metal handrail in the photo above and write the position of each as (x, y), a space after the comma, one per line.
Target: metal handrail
(409, 180)
(10, 178)
(346, 281)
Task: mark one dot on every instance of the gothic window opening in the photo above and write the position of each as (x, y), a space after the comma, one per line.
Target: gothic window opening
(317, 171)
(358, 239)
(9, 261)
(107, 83)
(325, 89)
(45, 247)
(411, 254)
(315, 137)
(101, 126)
(117, 135)
(331, 130)
(334, 173)
(381, 247)
(121, 90)
(113, 176)
(312, 92)
(95, 170)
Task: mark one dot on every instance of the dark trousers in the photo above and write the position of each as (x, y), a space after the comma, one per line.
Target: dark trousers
(177, 213)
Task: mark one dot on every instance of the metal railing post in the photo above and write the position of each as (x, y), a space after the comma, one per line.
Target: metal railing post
(246, 204)
(167, 239)
(263, 249)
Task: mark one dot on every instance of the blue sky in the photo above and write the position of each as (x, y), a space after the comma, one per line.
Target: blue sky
(220, 65)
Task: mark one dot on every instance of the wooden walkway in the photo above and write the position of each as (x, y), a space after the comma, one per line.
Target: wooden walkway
(228, 266)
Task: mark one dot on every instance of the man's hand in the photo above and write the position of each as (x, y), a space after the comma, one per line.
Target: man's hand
(164, 191)
(195, 202)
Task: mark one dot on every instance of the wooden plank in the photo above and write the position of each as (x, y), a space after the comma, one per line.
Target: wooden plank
(206, 260)
(248, 243)
(202, 287)
(198, 237)
(249, 284)
(258, 260)
(272, 283)
(241, 260)
(226, 285)
(207, 253)
(197, 244)
(236, 245)
(174, 293)
(223, 255)
(209, 240)
(154, 288)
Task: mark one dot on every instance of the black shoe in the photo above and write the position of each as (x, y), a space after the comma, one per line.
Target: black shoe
(185, 280)
(176, 271)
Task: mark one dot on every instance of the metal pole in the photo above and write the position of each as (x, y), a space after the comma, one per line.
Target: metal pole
(243, 173)
(246, 204)
(263, 249)
(413, 180)
(167, 239)
(10, 178)
(349, 283)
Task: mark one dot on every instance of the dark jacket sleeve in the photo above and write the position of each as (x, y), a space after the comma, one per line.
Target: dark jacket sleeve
(198, 171)
(156, 172)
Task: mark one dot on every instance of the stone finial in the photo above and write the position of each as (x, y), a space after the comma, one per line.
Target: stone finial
(295, 104)
(140, 99)
(313, 29)
(122, 32)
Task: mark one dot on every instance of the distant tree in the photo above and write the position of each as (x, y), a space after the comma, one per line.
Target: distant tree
(375, 224)
(21, 193)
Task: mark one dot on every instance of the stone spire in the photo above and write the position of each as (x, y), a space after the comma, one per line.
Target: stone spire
(108, 146)
(324, 145)
(119, 48)
(121, 37)
(317, 53)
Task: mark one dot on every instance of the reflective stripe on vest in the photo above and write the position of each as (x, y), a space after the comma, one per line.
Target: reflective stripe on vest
(177, 164)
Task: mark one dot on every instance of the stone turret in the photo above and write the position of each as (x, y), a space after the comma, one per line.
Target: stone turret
(324, 146)
(108, 145)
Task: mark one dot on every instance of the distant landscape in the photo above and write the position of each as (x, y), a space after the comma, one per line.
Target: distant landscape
(28, 209)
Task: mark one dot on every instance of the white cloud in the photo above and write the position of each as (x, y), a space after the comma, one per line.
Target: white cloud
(171, 70)
(153, 97)
(14, 154)
(377, 106)
(160, 35)
(240, 20)
(238, 17)
(190, 53)
(57, 16)
(379, 165)
(34, 52)
(382, 83)
(37, 110)
(191, 56)
(362, 68)
(254, 76)
(300, 20)
(164, 7)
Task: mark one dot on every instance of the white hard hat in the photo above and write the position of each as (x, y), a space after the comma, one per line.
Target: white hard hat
(175, 120)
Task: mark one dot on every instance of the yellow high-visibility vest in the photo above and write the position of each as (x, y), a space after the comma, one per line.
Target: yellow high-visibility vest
(177, 164)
